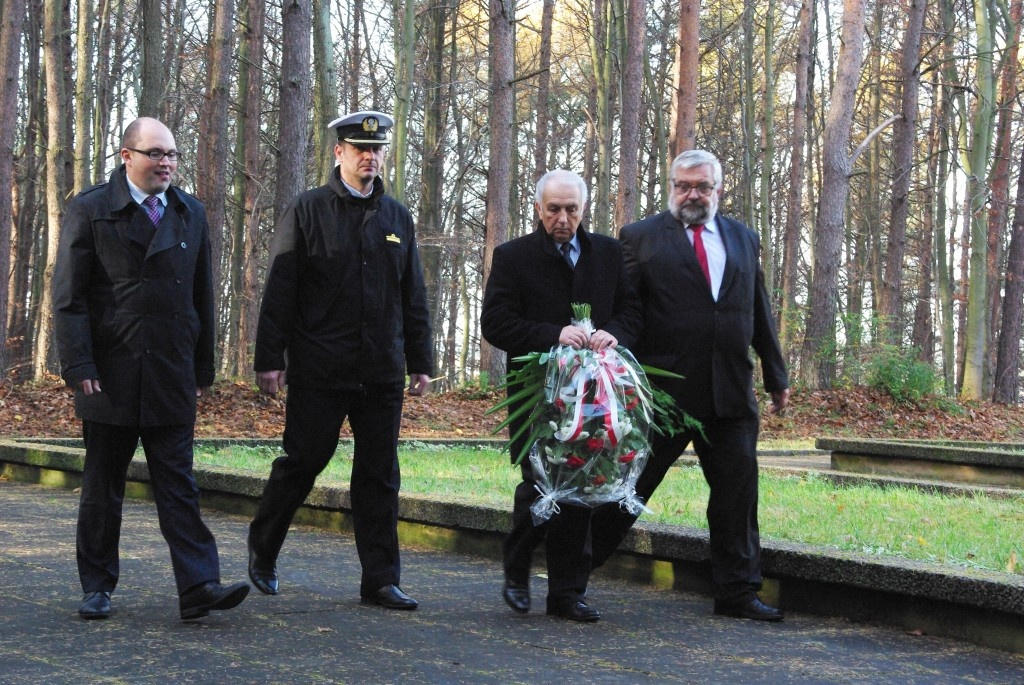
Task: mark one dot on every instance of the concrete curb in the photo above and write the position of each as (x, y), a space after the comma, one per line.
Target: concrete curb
(976, 606)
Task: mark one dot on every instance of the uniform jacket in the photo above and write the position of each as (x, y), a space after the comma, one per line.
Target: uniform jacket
(133, 305)
(688, 332)
(531, 289)
(345, 302)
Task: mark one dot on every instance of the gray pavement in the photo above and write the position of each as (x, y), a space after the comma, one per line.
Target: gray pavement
(316, 631)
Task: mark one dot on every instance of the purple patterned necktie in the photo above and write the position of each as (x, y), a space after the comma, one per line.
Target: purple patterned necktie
(152, 204)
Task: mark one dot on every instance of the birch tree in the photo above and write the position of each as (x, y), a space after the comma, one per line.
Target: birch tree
(976, 162)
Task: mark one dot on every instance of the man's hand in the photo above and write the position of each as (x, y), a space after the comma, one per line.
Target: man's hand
(573, 336)
(201, 391)
(419, 383)
(779, 401)
(602, 339)
(90, 385)
(271, 382)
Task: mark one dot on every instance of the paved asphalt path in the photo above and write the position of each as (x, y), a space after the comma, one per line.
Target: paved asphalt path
(316, 631)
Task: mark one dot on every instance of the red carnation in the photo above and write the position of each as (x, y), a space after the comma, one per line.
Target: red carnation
(600, 480)
(595, 444)
(574, 462)
(628, 457)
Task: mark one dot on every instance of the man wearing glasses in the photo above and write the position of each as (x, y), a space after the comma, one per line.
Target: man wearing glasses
(134, 319)
(705, 304)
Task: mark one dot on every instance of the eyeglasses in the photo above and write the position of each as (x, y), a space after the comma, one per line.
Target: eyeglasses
(684, 189)
(157, 155)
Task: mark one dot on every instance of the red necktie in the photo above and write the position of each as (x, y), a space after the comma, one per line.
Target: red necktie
(698, 247)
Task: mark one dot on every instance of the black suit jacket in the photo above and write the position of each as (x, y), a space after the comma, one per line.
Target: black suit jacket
(688, 332)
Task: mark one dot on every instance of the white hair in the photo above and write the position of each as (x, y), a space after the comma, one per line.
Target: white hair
(565, 176)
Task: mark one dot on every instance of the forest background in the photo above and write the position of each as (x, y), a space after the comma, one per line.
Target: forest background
(874, 146)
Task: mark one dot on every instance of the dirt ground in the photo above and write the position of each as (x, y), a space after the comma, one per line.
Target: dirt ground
(235, 409)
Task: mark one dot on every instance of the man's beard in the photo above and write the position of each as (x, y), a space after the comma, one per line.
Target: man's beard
(691, 214)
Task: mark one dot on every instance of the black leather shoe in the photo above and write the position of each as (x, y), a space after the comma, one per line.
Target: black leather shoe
(754, 609)
(390, 597)
(95, 605)
(517, 596)
(574, 611)
(262, 574)
(211, 596)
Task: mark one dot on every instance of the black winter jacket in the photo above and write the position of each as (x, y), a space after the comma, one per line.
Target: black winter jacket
(345, 303)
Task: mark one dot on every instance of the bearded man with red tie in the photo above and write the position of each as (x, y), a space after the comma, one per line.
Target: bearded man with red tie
(705, 304)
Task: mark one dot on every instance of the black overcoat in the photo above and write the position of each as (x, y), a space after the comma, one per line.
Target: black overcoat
(531, 289)
(134, 305)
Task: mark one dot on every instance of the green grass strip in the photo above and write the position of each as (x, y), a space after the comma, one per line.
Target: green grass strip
(973, 531)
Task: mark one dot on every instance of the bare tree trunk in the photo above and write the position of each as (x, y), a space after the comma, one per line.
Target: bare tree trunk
(818, 354)
(500, 61)
(905, 137)
(355, 53)
(999, 182)
(1006, 381)
(248, 190)
(102, 92)
(788, 310)
(629, 119)
(294, 103)
(768, 258)
(923, 334)
(325, 107)
(25, 204)
(212, 162)
(405, 58)
(976, 333)
(540, 149)
(943, 145)
(55, 25)
(83, 96)
(152, 60)
(684, 111)
(601, 50)
(429, 223)
(11, 23)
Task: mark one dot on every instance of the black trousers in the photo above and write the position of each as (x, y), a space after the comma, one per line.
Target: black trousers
(108, 452)
(313, 419)
(728, 459)
(567, 543)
